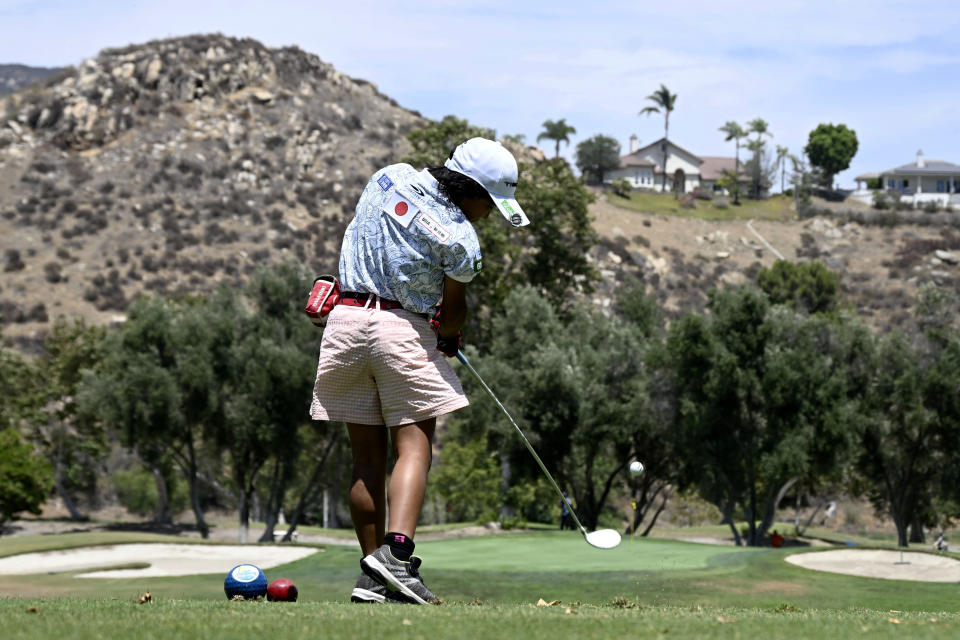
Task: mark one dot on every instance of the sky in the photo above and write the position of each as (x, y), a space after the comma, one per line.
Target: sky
(890, 70)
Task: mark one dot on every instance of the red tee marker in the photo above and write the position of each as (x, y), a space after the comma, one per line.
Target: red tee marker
(282, 590)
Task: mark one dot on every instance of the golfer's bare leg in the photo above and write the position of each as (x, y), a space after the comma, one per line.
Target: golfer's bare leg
(412, 446)
(367, 500)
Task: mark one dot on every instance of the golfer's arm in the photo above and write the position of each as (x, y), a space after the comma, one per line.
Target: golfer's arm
(453, 308)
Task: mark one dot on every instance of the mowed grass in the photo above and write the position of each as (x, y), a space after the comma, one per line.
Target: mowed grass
(490, 585)
(774, 208)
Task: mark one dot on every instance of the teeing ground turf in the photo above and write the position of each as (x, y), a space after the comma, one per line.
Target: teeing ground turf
(491, 586)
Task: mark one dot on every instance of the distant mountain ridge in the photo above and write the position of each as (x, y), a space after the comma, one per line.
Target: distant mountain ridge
(14, 77)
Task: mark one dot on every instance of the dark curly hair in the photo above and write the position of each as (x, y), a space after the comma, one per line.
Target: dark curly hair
(456, 186)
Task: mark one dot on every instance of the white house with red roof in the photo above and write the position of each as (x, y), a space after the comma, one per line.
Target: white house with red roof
(686, 171)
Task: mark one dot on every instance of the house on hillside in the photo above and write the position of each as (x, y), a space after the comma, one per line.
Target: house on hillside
(918, 182)
(643, 168)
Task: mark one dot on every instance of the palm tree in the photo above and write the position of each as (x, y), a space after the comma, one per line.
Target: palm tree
(782, 155)
(760, 127)
(666, 101)
(735, 132)
(558, 131)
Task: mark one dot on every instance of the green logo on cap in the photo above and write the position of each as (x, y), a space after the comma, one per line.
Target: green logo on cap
(506, 205)
(477, 266)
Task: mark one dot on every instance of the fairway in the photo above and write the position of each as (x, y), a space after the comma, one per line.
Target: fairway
(569, 553)
(490, 587)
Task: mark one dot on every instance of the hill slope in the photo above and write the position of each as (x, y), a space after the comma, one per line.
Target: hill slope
(14, 77)
(177, 164)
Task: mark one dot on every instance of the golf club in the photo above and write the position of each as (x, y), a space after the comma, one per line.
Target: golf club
(602, 538)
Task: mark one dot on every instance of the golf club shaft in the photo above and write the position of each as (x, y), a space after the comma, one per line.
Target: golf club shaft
(462, 358)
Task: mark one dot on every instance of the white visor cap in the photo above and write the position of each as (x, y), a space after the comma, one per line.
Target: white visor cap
(495, 168)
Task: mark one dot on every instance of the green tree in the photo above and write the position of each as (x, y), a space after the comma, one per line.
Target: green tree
(138, 491)
(597, 155)
(760, 127)
(273, 364)
(911, 420)
(639, 308)
(162, 383)
(902, 455)
(757, 168)
(558, 131)
(76, 446)
(578, 395)
(19, 383)
(830, 148)
(783, 154)
(764, 400)
(25, 478)
(650, 440)
(432, 144)
(664, 102)
(808, 287)
(736, 133)
(468, 478)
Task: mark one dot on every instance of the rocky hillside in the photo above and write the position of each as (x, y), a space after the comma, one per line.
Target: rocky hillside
(14, 77)
(174, 165)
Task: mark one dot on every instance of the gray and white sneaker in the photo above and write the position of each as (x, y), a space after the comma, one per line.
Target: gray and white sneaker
(367, 590)
(401, 578)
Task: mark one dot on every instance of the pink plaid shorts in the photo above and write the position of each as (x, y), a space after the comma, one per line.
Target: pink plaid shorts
(382, 368)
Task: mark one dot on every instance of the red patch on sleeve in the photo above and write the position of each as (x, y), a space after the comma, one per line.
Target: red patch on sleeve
(400, 209)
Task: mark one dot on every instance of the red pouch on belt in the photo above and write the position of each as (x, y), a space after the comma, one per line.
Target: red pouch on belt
(323, 298)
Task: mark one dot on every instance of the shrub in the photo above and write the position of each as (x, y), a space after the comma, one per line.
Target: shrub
(721, 203)
(621, 187)
(14, 262)
(931, 206)
(52, 272)
(137, 491)
(702, 193)
(881, 200)
(688, 202)
(38, 313)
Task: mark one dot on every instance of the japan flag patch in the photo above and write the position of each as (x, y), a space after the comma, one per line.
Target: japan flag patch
(400, 209)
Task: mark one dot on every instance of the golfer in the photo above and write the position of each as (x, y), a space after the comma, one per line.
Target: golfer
(406, 260)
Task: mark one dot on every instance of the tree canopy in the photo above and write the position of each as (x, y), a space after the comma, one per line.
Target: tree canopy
(558, 131)
(763, 395)
(598, 155)
(736, 133)
(808, 287)
(25, 477)
(830, 148)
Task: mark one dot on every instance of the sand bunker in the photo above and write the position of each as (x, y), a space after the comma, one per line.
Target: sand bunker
(164, 559)
(921, 567)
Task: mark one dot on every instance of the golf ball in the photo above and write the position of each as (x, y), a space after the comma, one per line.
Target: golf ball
(636, 468)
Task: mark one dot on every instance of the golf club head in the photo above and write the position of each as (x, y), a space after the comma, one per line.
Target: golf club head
(603, 538)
